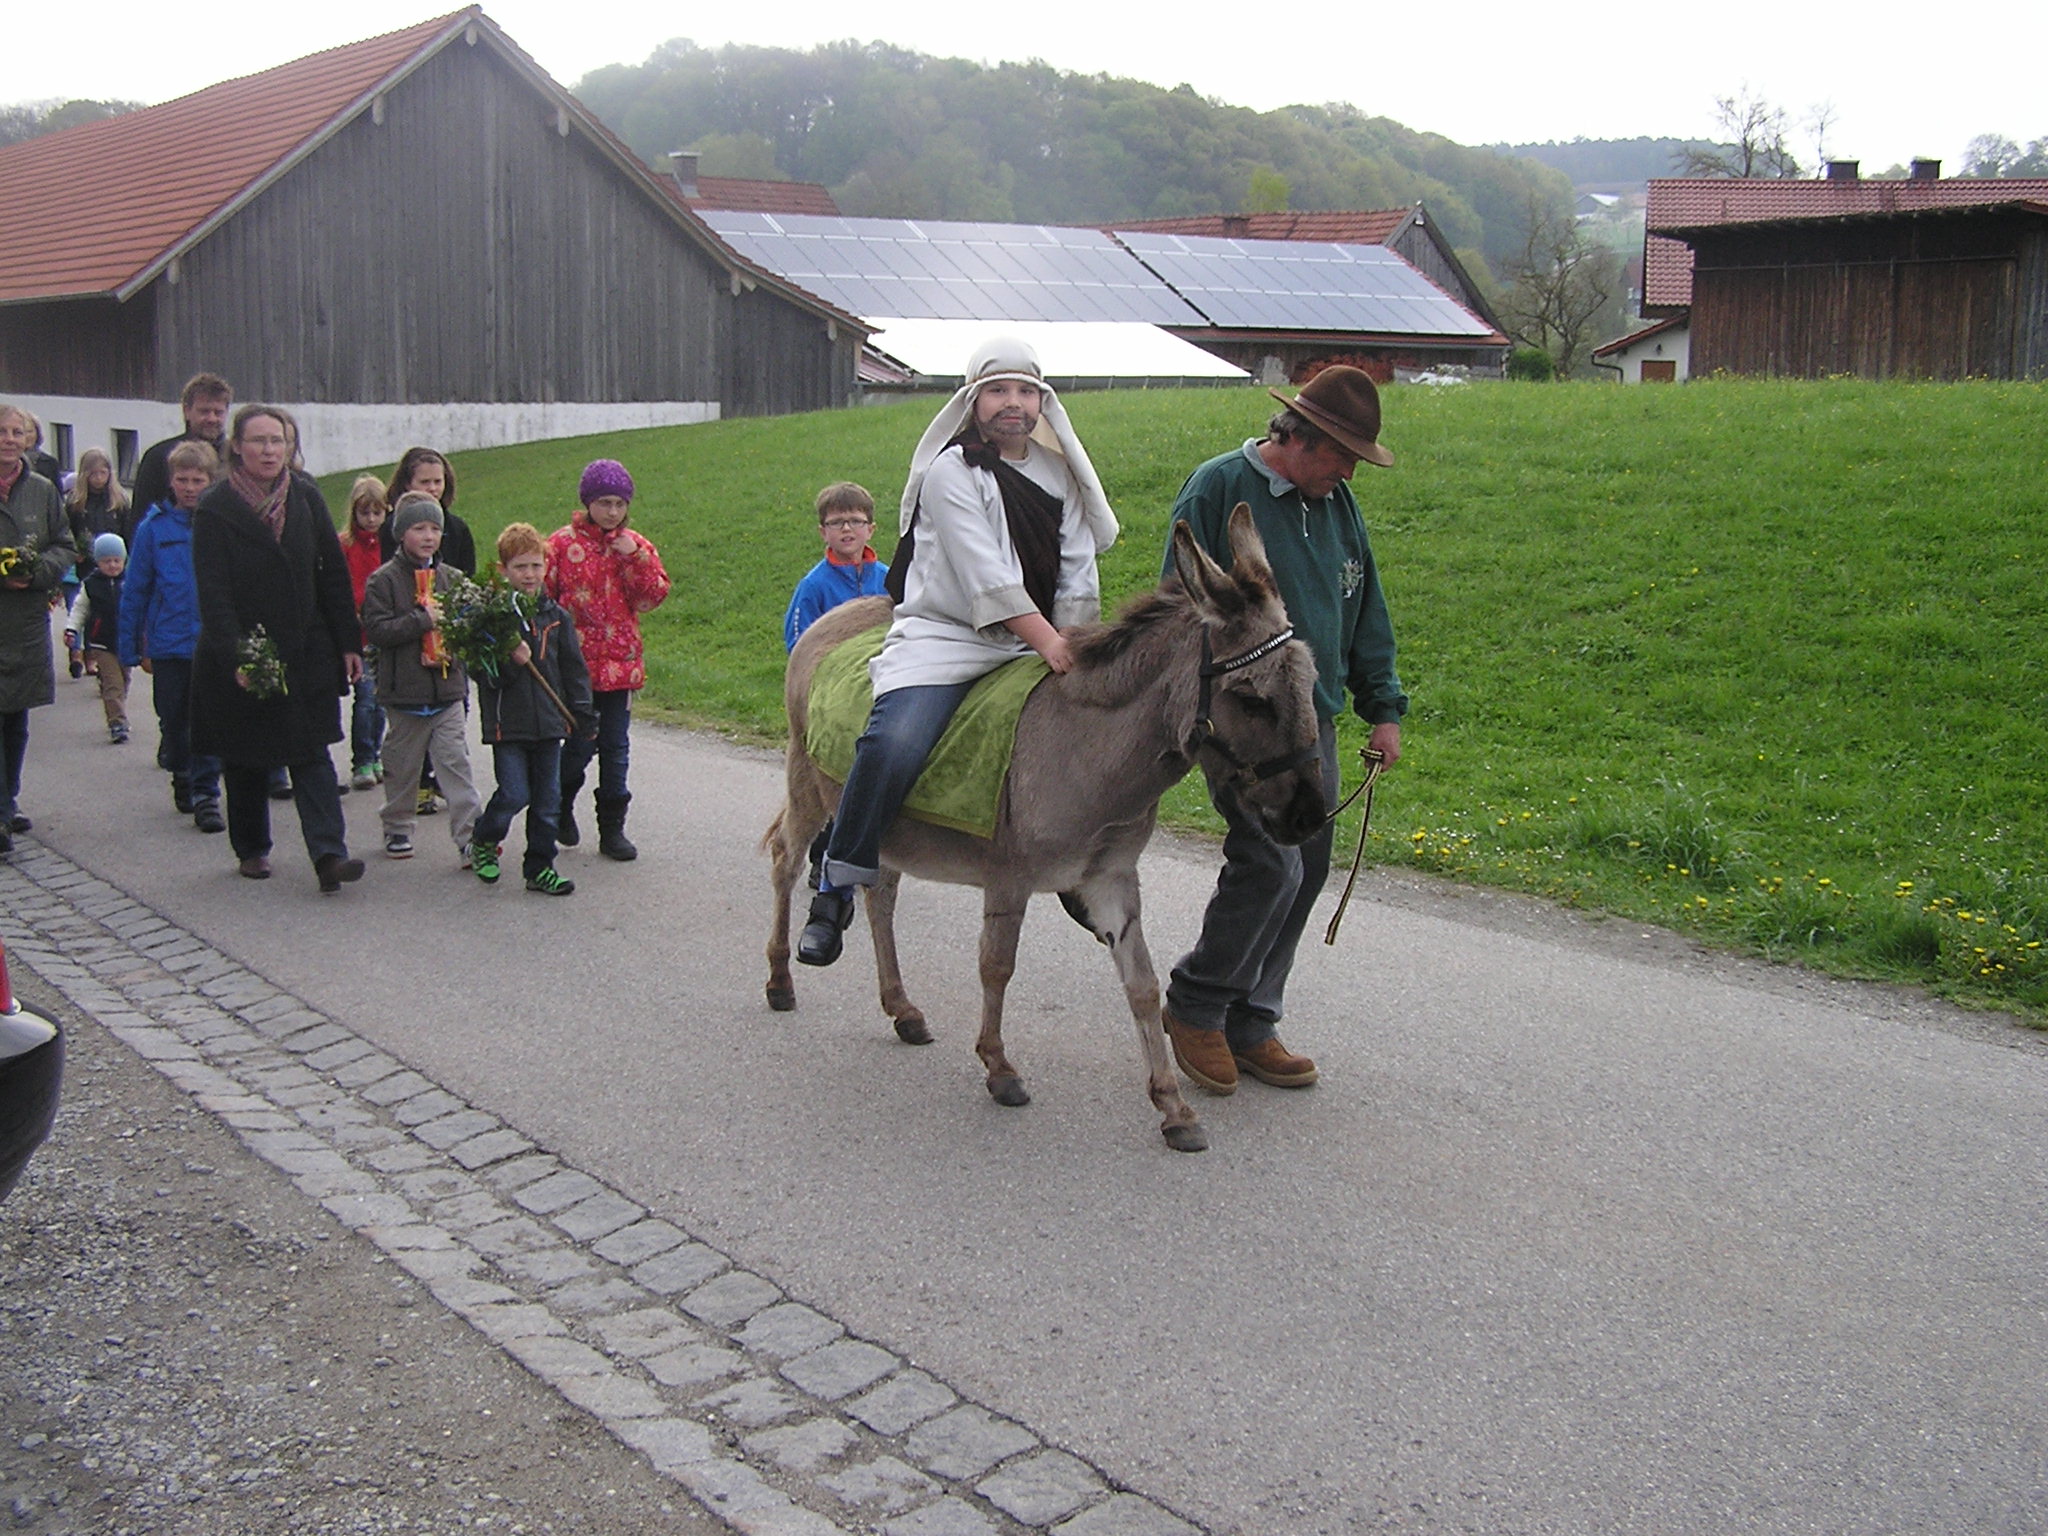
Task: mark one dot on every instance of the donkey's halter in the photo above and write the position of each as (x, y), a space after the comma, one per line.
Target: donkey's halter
(1204, 732)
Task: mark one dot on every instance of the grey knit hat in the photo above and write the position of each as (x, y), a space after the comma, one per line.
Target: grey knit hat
(416, 507)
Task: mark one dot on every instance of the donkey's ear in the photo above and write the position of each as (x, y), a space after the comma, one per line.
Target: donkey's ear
(1248, 553)
(1202, 577)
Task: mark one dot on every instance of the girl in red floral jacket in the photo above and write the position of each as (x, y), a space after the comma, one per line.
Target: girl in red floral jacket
(606, 575)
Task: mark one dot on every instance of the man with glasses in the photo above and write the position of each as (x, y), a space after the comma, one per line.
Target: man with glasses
(846, 521)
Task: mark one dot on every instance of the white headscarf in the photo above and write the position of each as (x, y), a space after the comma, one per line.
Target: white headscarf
(1008, 357)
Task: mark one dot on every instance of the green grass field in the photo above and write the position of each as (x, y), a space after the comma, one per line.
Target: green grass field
(1762, 662)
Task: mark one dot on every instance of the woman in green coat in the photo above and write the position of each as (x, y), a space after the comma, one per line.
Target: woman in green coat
(35, 552)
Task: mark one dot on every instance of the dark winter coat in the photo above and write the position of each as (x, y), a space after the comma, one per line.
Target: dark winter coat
(515, 709)
(458, 544)
(34, 512)
(396, 624)
(102, 601)
(297, 588)
(153, 473)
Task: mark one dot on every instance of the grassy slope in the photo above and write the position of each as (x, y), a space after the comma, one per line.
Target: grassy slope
(1763, 661)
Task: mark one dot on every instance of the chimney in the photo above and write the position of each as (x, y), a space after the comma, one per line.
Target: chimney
(1237, 226)
(1925, 170)
(1843, 170)
(682, 164)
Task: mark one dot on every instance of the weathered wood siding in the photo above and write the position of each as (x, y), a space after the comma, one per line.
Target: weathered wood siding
(1941, 298)
(91, 347)
(789, 359)
(465, 250)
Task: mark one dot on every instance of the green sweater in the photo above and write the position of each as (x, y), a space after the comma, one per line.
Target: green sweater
(1323, 563)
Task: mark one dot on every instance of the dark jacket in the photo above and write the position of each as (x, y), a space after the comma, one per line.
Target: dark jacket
(96, 516)
(153, 473)
(102, 601)
(514, 708)
(159, 598)
(33, 513)
(297, 588)
(395, 623)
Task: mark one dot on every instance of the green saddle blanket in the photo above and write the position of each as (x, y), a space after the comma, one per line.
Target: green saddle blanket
(962, 783)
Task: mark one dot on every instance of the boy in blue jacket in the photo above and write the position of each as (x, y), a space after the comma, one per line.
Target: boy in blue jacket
(846, 521)
(159, 630)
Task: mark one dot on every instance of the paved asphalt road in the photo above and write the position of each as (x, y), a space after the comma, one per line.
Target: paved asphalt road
(1581, 1232)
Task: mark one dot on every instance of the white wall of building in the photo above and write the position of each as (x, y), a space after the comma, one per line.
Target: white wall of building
(340, 437)
(1672, 344)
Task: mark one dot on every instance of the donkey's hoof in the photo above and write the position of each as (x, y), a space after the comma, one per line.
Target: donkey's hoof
(911, 1030)
(1186, 1138)
(782, 997)
(1009, 1091)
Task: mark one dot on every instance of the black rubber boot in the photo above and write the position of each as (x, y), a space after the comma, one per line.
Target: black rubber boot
(825, 934)
(611, 828)
(567, 833)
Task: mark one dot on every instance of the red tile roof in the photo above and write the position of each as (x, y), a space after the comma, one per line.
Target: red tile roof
(1698, 202)
(1621, 343)
(1356, 227)
(739, 194)
(116, 198)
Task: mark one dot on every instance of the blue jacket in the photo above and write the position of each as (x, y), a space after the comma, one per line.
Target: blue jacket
(827, 586)
(160, 597)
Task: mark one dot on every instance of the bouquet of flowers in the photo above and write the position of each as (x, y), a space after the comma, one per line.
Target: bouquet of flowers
(259, 668)
(19, 560)
(480, 625)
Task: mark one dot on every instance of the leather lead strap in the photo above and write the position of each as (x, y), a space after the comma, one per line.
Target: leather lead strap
(1375, 762)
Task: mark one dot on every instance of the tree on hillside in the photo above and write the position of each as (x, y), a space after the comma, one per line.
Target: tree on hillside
(900, 134)
(32, 119)
(1755, 131)
(1992, 156)
(1564, 291)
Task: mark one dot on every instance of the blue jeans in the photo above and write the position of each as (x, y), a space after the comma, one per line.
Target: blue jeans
(170, 691)
(365, 720)
(530, 779)
(318, 798)
(614, 718)
(903, 727)
(1235, 977)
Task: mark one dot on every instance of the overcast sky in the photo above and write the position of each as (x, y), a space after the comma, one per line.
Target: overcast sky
(1902, 80)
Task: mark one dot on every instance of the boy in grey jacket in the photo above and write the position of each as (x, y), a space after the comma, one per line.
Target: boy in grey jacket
(420, 687)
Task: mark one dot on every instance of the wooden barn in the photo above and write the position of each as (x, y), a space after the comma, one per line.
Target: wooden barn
(419, 237)
(1924, 278)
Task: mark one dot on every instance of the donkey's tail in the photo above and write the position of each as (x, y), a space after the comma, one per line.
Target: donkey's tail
(774, 832)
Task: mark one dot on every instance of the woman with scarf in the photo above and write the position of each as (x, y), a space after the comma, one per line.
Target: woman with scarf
(265, 556)
(1002, 520)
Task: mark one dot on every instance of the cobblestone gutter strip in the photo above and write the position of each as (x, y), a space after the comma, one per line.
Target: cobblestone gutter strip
(767, 1411)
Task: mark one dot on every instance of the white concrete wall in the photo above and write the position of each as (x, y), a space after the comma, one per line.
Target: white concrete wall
(1674, 344)
(354, 436)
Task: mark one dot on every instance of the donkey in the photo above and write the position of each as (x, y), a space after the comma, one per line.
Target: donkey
(1205, 670)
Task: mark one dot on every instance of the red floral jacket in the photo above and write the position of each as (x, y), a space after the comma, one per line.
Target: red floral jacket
(606, 593)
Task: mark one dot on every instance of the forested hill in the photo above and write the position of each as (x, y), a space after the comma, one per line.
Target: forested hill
(901, 134)
(1609, 162)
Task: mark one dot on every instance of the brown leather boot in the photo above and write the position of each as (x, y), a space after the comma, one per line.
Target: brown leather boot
(1271, 1062)
(1202, 1053)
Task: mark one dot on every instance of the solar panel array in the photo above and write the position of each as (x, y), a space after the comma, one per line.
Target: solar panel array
(947, 271)
(932, 270)
(1271, 285)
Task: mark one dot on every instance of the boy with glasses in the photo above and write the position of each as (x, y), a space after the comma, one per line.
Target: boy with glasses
(846, 521)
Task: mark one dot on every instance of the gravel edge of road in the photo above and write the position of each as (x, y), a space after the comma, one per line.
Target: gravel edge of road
(767, 1412)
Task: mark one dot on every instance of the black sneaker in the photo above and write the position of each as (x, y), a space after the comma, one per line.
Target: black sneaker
(206, 816)
(824, 935)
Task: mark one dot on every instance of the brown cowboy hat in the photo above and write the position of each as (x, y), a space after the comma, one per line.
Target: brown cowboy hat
(1343, 402)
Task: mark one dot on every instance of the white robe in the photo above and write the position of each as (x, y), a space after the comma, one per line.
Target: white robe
(965, 578)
